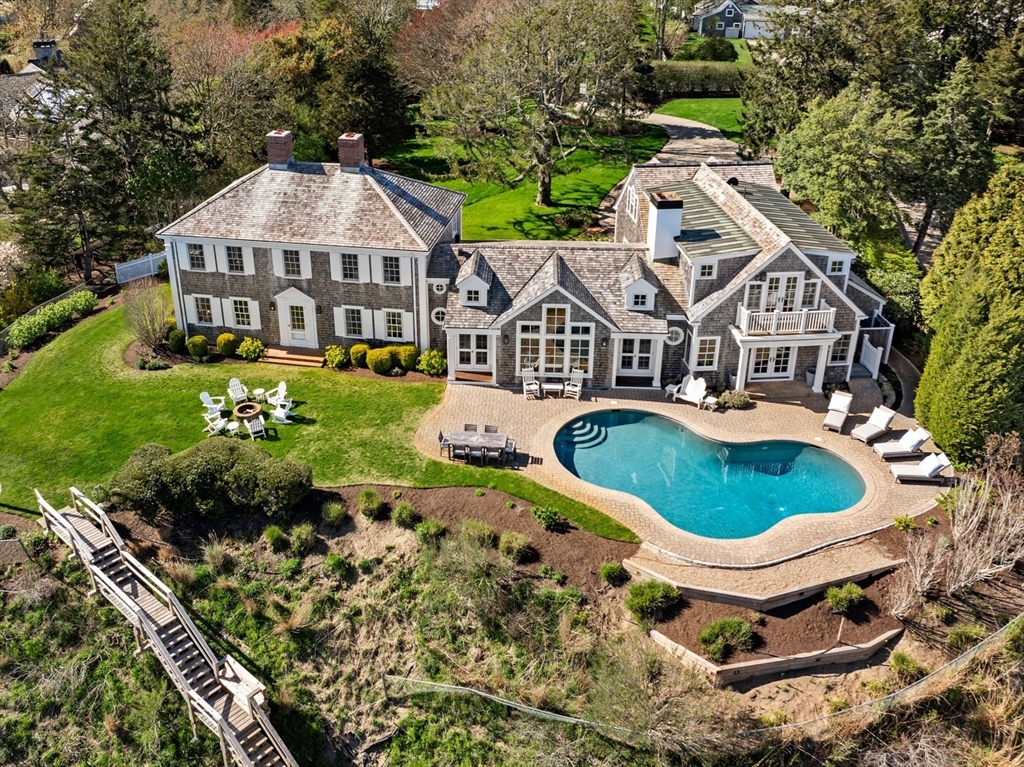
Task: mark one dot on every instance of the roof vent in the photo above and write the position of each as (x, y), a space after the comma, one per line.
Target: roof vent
(733, 181)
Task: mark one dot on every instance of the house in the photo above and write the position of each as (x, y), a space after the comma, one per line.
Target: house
(712, 272)
(726, 18)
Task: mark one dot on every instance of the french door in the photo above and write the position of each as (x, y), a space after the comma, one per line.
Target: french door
(474, 351)
(771, 362)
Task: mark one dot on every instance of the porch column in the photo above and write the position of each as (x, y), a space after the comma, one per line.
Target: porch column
(453, 353)
(616, 345)
(659, 349)
(741, 371)
(495, 343)
(819, 369)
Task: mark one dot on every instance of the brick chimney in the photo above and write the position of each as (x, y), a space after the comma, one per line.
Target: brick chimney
(351, 152)
(279, 149)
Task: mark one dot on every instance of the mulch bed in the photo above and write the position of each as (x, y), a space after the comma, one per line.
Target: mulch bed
(800, 627)
(411, 376)
(137, 349)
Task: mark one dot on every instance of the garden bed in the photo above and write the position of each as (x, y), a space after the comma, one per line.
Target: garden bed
(410, 376)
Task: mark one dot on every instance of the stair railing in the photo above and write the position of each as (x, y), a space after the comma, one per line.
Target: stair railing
(87, 508)
(257, 713)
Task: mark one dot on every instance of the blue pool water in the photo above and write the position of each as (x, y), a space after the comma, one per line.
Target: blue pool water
(708, 488)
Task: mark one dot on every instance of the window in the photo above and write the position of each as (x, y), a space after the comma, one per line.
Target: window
(675, 336)
(437, 316)
(392, 270)
(639, 300)
(543, 345)
(393, 324)
(810, 296)
(354, 323)
(719, 25)
(729, 12)
(754, 292)
(529, 346)
(636, 354)
(837, 267)
(474, 351)
(235, 263)
(707, 354)
(632, 203)
(782, 292)
(292, 264)
(840, 350)
(196, 257)
(736, 25)
(579, 347)
(440, 288)
(472, 296)
(241, 308)
(204, 311)
(554, 320)
(706, 271)
(350, 267)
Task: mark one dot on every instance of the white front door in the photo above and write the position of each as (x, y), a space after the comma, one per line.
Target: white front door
(297, 316)
(771, 363)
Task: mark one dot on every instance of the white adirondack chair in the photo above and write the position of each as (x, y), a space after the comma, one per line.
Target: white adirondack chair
(694, 393)
(214, 424)
(237, 391)
(213, 404)
(255, 427)
(278, 397)
(574, 387)
(531, 386)
(281, 415)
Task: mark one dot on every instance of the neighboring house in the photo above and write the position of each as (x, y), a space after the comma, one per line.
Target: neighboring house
(713, 272)
(725, 18)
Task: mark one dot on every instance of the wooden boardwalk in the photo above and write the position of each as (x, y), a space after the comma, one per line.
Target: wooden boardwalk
(220, 693)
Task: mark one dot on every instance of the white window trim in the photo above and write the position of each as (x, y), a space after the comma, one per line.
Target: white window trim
(675, 331)
(341, 268)
(567, 336)
(719, 25)
(714, 271)
(640, 301)
(729, 12)
(696, 354)
(398, 260)
(227, 260)
(437, 316)
(632, 203)
(344, 320)
(214, 306)
(591, 337)
(817, 294)
(746, 295)
(384, 331)
(845, 266)
(634, 372)
(849, 352)
(797, 296)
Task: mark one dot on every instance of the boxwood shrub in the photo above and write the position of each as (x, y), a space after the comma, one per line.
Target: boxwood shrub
(198, 347)
(358, 354)
(227, 344)
(380, 361)
(24, 330)
(176, 340)
(407, 356)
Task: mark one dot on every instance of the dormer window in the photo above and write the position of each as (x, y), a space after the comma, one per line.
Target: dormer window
(706, 271)
(837, 266)
(640, 301)
(472, 296)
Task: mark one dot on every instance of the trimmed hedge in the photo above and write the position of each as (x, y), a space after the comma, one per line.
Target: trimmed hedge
(227, 344)
(25, 330)
(406, 356)
(176, 340)
(358, 354)
(198, 347)
(679, 78)
(381, 361)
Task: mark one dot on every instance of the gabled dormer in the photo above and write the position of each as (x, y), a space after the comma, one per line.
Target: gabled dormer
(639, 285)
(474, 280)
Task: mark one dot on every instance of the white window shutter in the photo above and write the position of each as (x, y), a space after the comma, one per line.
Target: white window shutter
(221, 256)
(229, 313)
(339, 321)
(183, 262)
(278, 257)
(364, 267)
(215, 311)
(376, 269)
(407, 327)
(190, 310)
(367, 323)
(336, 269)
(248, 262)
(254, 313)
(379, 326)
(210, 258)
(405, 271)
(305, 265)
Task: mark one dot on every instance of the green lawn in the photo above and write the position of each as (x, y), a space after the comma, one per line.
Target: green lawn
(742, 49)
(494, 212)
(723, 114)
(77, 412)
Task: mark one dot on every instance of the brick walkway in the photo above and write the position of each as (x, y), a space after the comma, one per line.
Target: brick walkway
(781, 411)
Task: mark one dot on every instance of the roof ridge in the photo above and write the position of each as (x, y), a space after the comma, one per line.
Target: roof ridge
(765, 233)
(375, 184)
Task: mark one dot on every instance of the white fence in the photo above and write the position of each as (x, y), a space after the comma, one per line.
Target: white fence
(870, 356)
(139, 268)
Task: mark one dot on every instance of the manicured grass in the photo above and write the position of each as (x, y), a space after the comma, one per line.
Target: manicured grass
(495, 212)
(723, 114)
(741, 47)
(77, 412)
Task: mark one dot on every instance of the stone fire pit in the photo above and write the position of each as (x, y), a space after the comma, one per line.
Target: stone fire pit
(247, 411)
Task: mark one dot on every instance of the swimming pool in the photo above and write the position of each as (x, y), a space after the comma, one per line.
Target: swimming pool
(708, 488)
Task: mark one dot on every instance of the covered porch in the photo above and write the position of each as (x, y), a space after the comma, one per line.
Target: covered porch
(768, 358)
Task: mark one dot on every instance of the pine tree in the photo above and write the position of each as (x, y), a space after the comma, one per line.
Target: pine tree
(1001, 84)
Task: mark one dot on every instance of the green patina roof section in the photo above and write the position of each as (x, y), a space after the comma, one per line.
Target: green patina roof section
(707, 229)
(806, 233)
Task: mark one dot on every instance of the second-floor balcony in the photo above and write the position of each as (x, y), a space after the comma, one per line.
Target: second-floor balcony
(775, 323)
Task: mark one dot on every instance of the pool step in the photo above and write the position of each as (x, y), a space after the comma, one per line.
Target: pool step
(599, 435)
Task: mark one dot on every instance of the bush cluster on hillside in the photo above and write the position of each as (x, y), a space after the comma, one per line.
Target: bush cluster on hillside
(27, 329)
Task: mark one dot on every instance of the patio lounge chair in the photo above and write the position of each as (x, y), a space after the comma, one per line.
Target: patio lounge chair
(213, 404)
(443, 443)
(574, 386)
(694, 392)
(838, 410)
(531, 386)
(877, 425)
(907, 446)
(671, 389)
(255, 427)
(928, 470)
(214, 424)
(237, 391)
(278, 397)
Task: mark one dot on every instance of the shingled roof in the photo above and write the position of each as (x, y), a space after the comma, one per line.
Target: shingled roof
(475, 266)
(318, 204)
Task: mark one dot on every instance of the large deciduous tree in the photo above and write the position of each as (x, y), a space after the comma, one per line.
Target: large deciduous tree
(527, 95)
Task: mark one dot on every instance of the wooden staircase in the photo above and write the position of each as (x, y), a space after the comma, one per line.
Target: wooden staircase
(221, 693)
(299, 358)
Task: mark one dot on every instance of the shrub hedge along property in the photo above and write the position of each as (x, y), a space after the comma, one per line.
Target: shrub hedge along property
(25, 330)
(358, 354)
(407, 356)
(380, 361)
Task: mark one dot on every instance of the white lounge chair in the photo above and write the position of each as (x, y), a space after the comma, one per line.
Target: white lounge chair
(574, 387)
(213, 404)
(278, 397)
(907, 446)
(671, 389)
(695, 392)
(237, 391)
(255, 427)
(838, 410)
(928, 470)
(214, 424)
(531, 386)
(877, 425)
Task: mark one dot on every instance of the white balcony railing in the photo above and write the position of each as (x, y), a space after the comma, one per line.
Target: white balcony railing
(785, 323)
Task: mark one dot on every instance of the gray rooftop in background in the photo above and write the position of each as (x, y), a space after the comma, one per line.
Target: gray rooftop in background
(806, 233)
(707, 230)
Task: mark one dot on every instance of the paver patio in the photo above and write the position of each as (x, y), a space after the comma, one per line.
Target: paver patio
(781, 411)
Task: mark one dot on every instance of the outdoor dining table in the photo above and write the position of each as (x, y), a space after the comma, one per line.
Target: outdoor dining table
(477, 439)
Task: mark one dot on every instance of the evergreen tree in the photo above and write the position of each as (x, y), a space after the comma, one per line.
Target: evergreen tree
(1001, 84)
(973, 381)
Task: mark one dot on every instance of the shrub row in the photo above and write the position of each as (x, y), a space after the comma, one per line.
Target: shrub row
(383, 361)
(27, 329)
(698, 79)
(209, 479)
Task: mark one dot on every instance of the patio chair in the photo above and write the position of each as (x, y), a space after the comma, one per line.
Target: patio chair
(214, 424)
(279, 396)
(255, 427)
(510, 449)
(490, 429)
(443, 443)
(469, 427)
(694, 393)
(281, 415)
(237, 391)
(877, 425)
(907, 446)
(928, 470)
(574, 386)
(531, 386)
(671, 389)
(493, 453)
(838, 410)
(478, 453)
(213, 404)
(459, 451)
